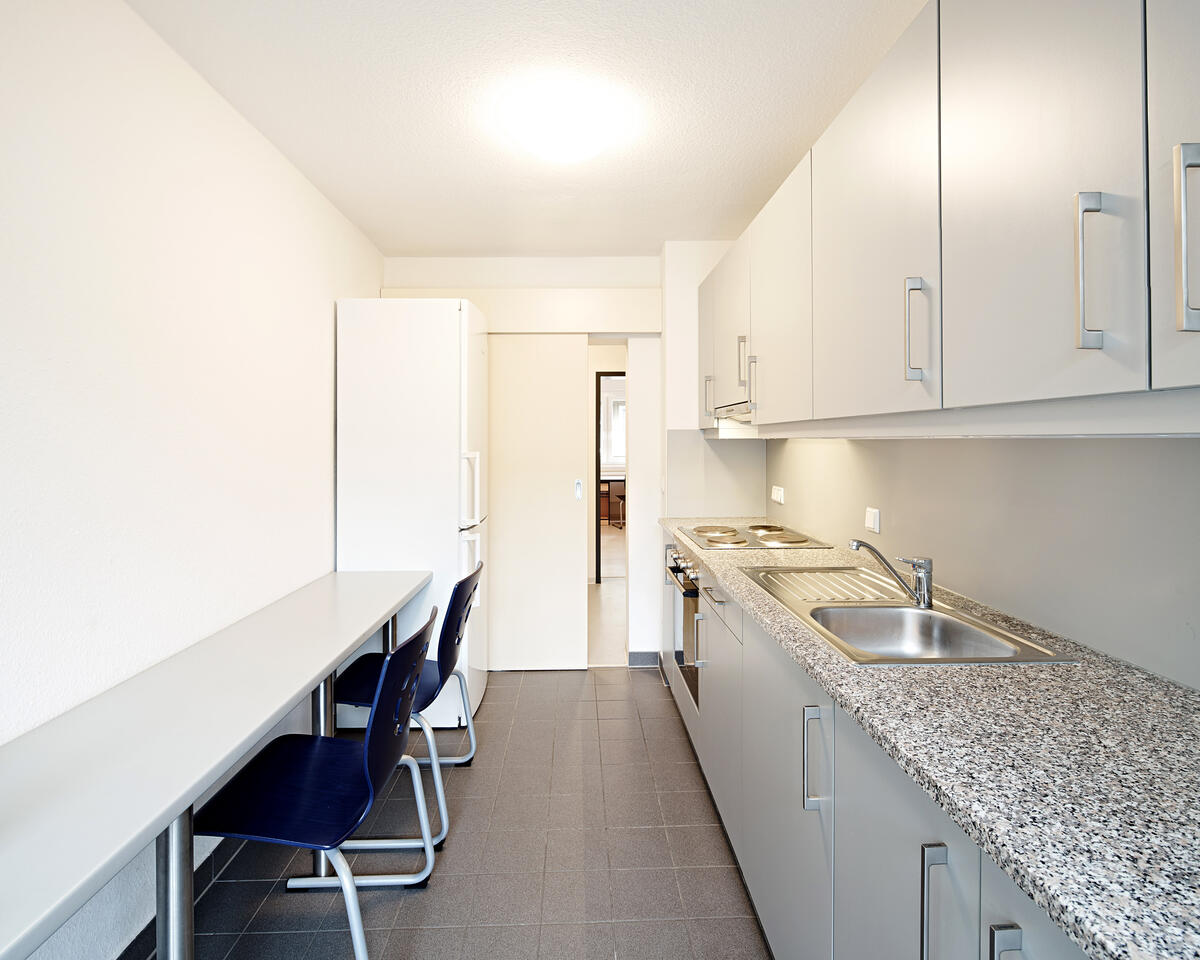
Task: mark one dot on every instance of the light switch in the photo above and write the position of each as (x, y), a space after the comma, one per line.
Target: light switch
(871, 522)
(777, 494)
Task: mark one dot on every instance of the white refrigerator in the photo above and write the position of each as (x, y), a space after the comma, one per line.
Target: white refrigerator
(412, 459)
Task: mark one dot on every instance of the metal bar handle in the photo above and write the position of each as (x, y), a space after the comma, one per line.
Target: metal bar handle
(708, 410)
(697, 618)
(1187, 317)
(1085, 338)
(1003, 937)
(713, 597)
(743, 374)
(932, 855)
(472, 456)
(911, 284)
(810, 802)
(473, 540)
(752, 377)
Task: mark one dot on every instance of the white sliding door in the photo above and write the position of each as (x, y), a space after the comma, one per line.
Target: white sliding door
(539, 449)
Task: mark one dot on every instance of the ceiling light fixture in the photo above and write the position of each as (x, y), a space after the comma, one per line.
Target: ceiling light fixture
(561, 116)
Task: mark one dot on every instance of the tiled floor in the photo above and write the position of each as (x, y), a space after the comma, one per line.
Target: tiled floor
(582, 830)
(607, 636)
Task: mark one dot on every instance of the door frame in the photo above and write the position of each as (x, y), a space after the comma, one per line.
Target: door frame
(596, 453)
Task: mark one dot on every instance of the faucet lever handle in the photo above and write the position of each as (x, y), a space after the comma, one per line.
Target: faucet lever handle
(923, 564)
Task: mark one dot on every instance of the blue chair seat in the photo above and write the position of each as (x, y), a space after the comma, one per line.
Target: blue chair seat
(356, 684)
(302, 791)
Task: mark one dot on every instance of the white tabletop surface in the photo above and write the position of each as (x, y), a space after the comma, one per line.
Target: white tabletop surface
(82, 794)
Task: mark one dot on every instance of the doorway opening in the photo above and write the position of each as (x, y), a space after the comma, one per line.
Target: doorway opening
(607, 627)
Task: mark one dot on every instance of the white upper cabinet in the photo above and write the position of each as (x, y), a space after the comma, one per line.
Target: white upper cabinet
(781, 302)
(876, 279)
(731, 324)
(1173, 129)
(1043, 204)
(707, 307)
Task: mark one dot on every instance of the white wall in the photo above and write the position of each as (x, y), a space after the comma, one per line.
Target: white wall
(601, 356)
(685, 264)
(644, 489)
(714, 478)
(1094, 539)
(166, 381)
(508, 272)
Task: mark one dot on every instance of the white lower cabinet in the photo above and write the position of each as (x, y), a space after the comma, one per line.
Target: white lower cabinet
(906, 878)
(1004, 907)
(720, 742)
(787, 809)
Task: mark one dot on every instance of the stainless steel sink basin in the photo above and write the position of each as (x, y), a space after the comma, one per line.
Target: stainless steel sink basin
(878, 630)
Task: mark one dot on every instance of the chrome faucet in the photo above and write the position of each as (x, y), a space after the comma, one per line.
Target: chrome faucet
(921, 591)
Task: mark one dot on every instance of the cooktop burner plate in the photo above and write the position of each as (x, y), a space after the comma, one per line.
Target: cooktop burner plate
(715, 530)
(760, 536)
(761, 528)
(790, 539)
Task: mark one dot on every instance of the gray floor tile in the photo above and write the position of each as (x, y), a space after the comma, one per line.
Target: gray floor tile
(337, 945)
(632, 810)
(576, 810)
(603, 676)
(481, 779)
(616, 709)
(538, 711)
(623, 751)
(623, 728)
(214, 946)
(505, 678)
(228, 906)
(622, 778)
(645, 895)
(577, 728)
(735, 939)
(577, 897)
(678, 776)
(576, 941)
(575, 710)
(713, 892)
(291, 910)
(520, 813)
(577, 751)
(270, 946)
(613, 691)
(495, 710)
(501, 943)
(469, 814)
(576, 777)
(638, 848)
(687, 808)
(576, 849)
(449, 743)
(261, 861)
(670, 751)
(704, 846)
(657, 708)
(525, 779)
(501, 693)
(462, 854)
(441, 943)
(664, 728)
(508, 898)
(378, 909)
(652, 940)
(446, 902)
(514, 851)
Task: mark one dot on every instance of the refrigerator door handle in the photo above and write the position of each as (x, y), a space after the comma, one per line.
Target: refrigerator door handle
(469, 539)
(472, 456)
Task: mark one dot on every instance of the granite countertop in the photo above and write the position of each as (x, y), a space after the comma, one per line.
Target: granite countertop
(1081, 780)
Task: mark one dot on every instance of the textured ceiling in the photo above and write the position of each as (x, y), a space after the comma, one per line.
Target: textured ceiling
(376, 101)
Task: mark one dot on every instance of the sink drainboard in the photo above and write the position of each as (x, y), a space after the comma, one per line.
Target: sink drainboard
(822, 584)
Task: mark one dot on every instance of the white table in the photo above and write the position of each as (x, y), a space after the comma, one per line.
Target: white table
(82, 794)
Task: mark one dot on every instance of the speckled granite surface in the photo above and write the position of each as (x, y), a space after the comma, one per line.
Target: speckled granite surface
(1081, 780)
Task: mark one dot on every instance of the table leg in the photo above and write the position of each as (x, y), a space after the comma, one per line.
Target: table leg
(173, 866)
(323, 724)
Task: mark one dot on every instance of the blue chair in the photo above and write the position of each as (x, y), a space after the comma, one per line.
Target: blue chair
(314, 792)
(356, 683)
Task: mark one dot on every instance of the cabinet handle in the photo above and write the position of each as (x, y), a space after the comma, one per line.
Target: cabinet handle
(712, 597)
(1187, 317)
(1085, 338)
(708, 410)
(752, 376)
(743, 374)
(932, 855)
(697, 619)
(810, 802)
(910, 284)
(1003, 937)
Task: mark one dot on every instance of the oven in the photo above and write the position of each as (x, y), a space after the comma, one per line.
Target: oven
(685, 605)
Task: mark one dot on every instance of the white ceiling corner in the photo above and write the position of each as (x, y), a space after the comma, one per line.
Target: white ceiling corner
(375, 101)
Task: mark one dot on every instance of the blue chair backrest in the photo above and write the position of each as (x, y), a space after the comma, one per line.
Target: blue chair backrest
(387, 726)
(454, 627)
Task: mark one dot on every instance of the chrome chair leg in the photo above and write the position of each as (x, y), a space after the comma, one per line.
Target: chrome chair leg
(350, 895)
(375, 845)
(470, 754)
(439, 787)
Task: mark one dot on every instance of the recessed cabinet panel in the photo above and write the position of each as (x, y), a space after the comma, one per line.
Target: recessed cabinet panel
(1043, 203)
(876, 276)
(1003, 905)
(731, 324)
(707, 305)
(1173, 122)
(892, 842)
(781, 302)
(787, 737)
(720, 744)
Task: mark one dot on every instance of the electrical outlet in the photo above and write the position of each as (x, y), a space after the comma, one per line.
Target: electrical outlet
(871, 521)
(777, 494)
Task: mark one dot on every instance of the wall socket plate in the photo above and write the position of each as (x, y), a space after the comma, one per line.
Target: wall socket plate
(777, 494)
(871, 521)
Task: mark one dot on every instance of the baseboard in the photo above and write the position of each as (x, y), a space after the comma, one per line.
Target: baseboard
(643, 658)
